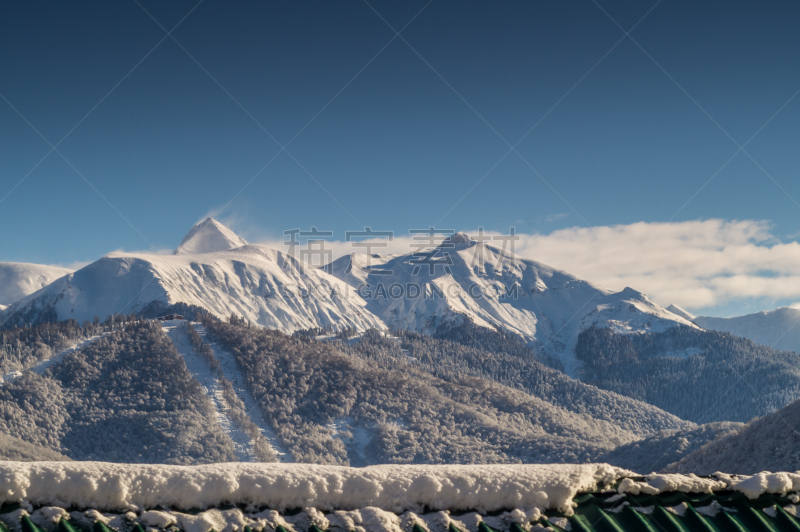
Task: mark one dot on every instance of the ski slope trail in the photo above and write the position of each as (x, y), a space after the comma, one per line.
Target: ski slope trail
(232, 372)
(212, 387)
(200, 370)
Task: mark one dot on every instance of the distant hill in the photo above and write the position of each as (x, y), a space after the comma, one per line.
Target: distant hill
(779, 328)
(702, 376)
(18, 280)
(771, 443)
(655, 452)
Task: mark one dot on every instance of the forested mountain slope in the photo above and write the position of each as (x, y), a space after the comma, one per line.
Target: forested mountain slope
(468, 350)
(702, 376)
(125, 397)
(657, 451)
(771, 443)
(328, 406)
(17, 450)
(27, 347)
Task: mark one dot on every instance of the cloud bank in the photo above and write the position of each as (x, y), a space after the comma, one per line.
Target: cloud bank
(693, 264)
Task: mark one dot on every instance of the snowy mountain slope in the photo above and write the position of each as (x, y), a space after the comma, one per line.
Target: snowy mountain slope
(779, 328)
(675, 309)
(770, 443)
(209, 236)
(260, 284)
(18, 279)
(495, 288)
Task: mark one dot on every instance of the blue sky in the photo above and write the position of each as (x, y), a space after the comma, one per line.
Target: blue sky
(393, 133)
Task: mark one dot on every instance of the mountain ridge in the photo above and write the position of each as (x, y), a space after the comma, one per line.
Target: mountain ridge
(265, 286)
(779, 328)
(495, 288)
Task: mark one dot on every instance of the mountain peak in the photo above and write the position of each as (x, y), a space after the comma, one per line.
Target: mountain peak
(209, 236)
(460, 238)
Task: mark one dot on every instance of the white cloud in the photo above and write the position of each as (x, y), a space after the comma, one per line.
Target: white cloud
(693, 264)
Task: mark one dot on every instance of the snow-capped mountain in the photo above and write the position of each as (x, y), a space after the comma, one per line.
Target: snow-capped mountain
(262, 285)
(495, 288)
(779, 328)
(209, 236)
(18, 279)
(216, 269)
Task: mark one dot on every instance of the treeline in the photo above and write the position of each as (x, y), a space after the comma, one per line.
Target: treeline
(703, 376)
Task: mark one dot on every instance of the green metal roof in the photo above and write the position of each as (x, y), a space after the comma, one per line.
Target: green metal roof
(721, 511)
(678, 512)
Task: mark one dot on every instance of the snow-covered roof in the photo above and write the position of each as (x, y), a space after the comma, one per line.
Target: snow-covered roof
(229, 497)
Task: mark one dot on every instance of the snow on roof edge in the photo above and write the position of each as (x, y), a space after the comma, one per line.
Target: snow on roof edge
(392, 488)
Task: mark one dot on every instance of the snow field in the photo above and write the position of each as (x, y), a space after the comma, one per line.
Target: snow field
(18, 280)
